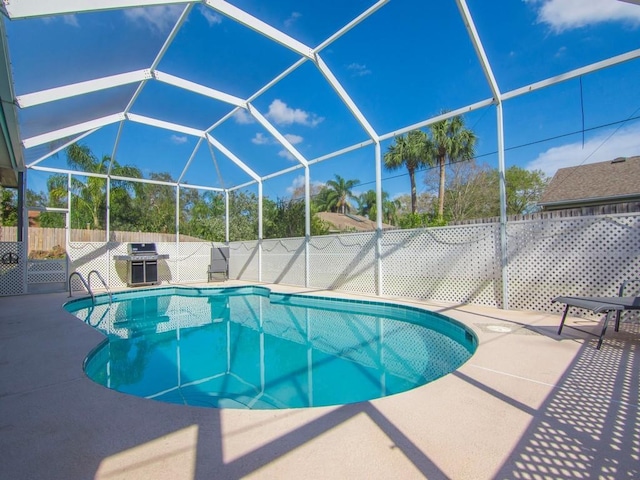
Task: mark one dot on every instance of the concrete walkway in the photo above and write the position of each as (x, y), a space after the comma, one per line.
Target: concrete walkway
(528, 404)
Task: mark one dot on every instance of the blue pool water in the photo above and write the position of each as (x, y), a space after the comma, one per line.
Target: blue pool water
(248, 347)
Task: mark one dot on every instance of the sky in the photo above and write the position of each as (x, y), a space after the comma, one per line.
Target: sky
(407, 62)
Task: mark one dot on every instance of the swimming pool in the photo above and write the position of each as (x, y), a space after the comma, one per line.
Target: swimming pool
(248, 347)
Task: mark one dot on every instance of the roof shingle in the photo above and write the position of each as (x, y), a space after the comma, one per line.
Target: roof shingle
(603, 180)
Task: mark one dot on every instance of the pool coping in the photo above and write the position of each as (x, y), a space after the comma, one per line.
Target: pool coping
(528, 402)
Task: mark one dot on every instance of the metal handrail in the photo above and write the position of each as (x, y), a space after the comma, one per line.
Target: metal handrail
(103, 283)
(84, 282)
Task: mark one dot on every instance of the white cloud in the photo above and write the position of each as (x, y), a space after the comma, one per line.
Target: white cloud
(293, 139)
(68, 19)
(179, 139)
(358, 70)
(211, 17)
(561, 15)
(298, 183)
(286, 154)
(243, 117)
(260, 139)
(280, 113)
(292, 19)
(561, 52)
(160, 19)
(624, 143)
(71, 20)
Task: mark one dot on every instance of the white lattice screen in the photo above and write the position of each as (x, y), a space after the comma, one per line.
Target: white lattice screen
(12, 281)
(453, 264)
(47, 271)
(193, 261)
(84, 257)
(582, 256)
(588, 256)
(283, 261)
(343, 262)
(243, 261)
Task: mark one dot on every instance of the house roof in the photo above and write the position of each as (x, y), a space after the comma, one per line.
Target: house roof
(617, 179)
(350, 222)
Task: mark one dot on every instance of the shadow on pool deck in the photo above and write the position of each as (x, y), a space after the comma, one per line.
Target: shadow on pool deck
(525, 406)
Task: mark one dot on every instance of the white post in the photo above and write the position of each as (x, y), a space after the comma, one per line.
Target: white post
(67, 220)
(226, 216)
(307, 224)
(177, 259)
(260, 231)
(379, 288)
(108, 228)
(504, 259)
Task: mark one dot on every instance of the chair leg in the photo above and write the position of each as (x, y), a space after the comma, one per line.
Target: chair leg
(564, 316)
(618, 313)
(604, 328)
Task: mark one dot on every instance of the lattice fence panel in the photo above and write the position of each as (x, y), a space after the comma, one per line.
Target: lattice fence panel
(283, 261)
(577, 256)
(168, 267)
(243, 261)
(12, 274)
(344, 262)
(84, 257)
(118, 269)
(193, 261)
(47, 271)
(454, 264)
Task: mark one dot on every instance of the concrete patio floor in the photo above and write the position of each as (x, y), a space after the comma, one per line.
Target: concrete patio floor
(528, 405)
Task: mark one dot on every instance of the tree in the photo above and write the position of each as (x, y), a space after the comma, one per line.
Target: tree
(340, 192)
(285, 218)
(524, 189)
(156, 205)
(8, 207)
(470, 191)
(453, 142)
(390, 211)
(89, 196)
(412, 152)
(425, 203)
(243, 216)
(202, 215)
(55, 196)
(324, 200)
(367, 203)
(367, 206)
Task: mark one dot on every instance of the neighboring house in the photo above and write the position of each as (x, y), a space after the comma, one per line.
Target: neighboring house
(596, 184)
(342, 223)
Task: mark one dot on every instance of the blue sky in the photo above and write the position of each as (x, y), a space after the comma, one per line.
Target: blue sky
(404, 64)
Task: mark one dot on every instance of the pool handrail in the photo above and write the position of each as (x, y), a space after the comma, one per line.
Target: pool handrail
(103, 283)
(84, 282)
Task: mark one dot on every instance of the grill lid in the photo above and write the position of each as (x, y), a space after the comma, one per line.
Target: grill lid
(142, 249)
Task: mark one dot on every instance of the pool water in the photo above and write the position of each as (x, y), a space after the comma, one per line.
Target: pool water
(247, 347)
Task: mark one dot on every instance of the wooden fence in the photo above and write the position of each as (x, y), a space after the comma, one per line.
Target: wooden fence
(46, 239)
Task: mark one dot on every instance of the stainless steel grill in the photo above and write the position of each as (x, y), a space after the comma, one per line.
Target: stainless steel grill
(142, 260)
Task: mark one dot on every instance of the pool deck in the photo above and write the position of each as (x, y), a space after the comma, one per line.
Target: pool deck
(529, 404)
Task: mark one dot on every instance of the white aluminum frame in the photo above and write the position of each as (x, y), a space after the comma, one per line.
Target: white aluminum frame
(17, 9)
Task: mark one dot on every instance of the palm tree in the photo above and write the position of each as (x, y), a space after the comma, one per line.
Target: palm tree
(390, 211)
(411, 152)
(325, 200)
(342, 189)
(367, 206)
(90, 196)
(450, 140)
(367, 203)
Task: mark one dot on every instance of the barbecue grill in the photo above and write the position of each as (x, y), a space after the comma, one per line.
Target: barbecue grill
(142, 263)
